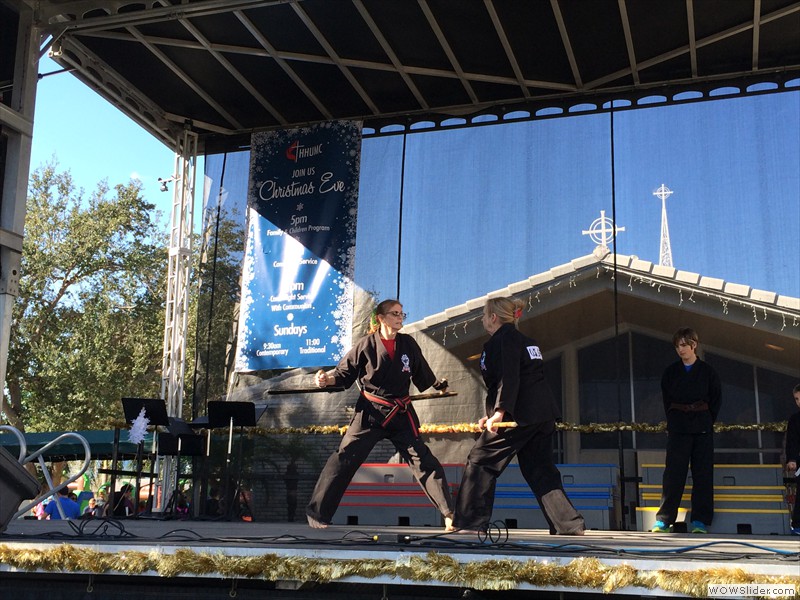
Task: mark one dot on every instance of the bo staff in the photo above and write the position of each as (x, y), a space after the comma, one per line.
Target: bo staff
(332, 389)
(416, 397)
(312, 390)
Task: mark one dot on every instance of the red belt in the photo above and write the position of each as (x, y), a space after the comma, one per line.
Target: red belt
(398, 405)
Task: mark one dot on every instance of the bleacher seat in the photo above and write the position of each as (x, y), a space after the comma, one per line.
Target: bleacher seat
(387, 494)
(592, 489)
(747, 498)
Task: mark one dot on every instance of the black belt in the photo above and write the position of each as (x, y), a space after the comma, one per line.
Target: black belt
(693, 407)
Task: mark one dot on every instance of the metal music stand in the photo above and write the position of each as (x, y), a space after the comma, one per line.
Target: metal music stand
(230, 414)
(155, 409)
(179, 441)
(201, 492)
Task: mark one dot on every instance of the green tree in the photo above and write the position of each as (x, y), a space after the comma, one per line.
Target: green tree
(89, 319)
(214, 303)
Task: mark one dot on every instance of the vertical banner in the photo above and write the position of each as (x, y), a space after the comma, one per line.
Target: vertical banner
(297, 281)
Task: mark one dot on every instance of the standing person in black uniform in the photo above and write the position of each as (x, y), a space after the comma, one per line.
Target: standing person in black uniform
(512, 369)
(692, 395)
(383, 363)
(792, 447)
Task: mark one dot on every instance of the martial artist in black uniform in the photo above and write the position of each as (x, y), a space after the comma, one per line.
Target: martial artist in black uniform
(384, 364)
(692, 395)
(511, 365)
(792, 447)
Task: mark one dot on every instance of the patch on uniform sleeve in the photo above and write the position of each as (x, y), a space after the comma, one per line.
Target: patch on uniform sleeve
(534, 352)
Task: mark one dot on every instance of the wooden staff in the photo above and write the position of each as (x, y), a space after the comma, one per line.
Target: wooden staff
(332, 389)
(427, 396)
(314, 390)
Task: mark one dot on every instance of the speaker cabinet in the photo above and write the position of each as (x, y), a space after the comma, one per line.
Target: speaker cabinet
(16, 485)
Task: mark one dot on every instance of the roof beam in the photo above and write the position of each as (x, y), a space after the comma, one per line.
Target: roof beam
(562, 29)
(626, 28)
(185, 78)
(387, 48)
(736, 29)
(315, 58)
(512, 59)
(282, 63)
(706, 41)
(756, 32)
(692, 36)
(243, 81)
(116, 89)
(114, 20)
(437, 31)
(335, 57)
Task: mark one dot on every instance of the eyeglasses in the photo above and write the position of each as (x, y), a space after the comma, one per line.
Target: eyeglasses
(397, 313)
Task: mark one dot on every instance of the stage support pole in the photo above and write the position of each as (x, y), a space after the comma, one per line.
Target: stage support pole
(16, 123)
(177, 305)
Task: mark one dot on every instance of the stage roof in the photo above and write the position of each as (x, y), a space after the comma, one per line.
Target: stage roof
(230, 67)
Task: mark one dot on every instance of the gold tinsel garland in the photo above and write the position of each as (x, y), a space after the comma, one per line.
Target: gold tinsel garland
(661, 427)
(502, 574)
(438, 429)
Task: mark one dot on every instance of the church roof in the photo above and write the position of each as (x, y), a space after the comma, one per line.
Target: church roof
(575, 301)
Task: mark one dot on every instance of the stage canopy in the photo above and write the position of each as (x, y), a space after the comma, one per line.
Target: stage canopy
(101, 444)
(230, 67)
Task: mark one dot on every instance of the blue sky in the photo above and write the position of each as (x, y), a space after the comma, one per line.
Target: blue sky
(94, 140)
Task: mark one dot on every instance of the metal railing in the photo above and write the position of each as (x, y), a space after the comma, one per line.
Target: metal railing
(25, 458)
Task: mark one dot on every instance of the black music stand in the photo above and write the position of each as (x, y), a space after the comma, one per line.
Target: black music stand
(178, 441)
(230, 414)
(200, 494)
(155, 409)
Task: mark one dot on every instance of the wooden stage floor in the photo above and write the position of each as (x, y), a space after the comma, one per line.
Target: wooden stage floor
(349, 561)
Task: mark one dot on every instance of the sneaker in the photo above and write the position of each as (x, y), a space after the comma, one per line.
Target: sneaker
(795, 530)
(661, 527)
(698, 527)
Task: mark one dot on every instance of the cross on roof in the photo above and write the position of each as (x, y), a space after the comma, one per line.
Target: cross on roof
(602, 230)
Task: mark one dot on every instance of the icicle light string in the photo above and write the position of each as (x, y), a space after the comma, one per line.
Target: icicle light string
(724, 302)
(658, 284)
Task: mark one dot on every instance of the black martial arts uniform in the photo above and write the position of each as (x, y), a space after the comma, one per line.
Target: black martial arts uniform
(382, 411)
(512, 369)
(793, 453)
(692, 400)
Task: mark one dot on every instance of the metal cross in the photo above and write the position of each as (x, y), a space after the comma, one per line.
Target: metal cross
(602, 230)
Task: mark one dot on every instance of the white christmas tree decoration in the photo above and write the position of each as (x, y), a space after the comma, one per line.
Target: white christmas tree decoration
(139, 428)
